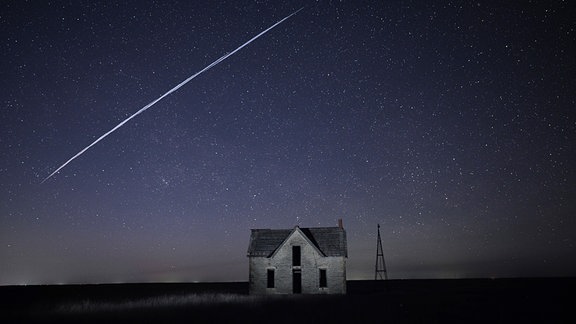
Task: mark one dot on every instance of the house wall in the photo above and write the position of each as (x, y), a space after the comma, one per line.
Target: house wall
(311, 262)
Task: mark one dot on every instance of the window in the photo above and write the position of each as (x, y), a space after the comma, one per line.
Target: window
(270, 277)
(295, 256)
(323, 281)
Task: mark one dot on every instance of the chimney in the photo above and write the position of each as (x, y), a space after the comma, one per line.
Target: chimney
(340, 223)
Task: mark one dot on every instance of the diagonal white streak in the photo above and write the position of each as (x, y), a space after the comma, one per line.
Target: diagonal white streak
(211, 65)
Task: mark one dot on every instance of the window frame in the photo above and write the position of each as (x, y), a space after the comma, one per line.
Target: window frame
(296, 256)
(323, 278)
(270, 278)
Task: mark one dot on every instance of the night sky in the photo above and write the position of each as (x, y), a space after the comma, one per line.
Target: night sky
(452, 125)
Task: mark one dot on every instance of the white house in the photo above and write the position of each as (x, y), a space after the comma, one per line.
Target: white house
(299, 260)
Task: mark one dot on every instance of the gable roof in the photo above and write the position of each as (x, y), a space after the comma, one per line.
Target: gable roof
(330, 241)
(305, 236)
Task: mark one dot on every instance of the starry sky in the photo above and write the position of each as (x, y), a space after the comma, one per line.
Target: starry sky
(450, 124)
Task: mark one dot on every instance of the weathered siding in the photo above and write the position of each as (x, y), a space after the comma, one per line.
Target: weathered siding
(311, 262)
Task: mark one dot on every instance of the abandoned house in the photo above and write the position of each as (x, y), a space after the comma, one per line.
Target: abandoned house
(298, 261)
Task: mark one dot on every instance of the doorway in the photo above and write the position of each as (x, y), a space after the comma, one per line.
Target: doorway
(296, 281)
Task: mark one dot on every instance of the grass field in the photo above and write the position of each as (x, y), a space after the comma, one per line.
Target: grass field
(393, 301)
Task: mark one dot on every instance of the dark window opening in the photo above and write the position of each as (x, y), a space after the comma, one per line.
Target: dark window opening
(323, 281)
(270, 273)
(296, 282)
(296, 256)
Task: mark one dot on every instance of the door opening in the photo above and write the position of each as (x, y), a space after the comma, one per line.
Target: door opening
(296, 282)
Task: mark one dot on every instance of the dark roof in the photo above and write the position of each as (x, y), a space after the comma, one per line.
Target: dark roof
(331, 241)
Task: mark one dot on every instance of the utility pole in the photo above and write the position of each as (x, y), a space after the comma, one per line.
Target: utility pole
(380, 273)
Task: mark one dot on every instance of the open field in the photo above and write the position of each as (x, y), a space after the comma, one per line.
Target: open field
(393, 301)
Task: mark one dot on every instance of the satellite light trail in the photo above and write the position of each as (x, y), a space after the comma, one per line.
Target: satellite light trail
(211, 65)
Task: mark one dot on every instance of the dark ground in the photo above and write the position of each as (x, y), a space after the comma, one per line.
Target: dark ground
(393, 301)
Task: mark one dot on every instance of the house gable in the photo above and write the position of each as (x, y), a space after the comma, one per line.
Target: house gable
(289, 238)
(330, 241)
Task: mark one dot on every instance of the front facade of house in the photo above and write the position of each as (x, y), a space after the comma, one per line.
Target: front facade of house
(298, 261)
